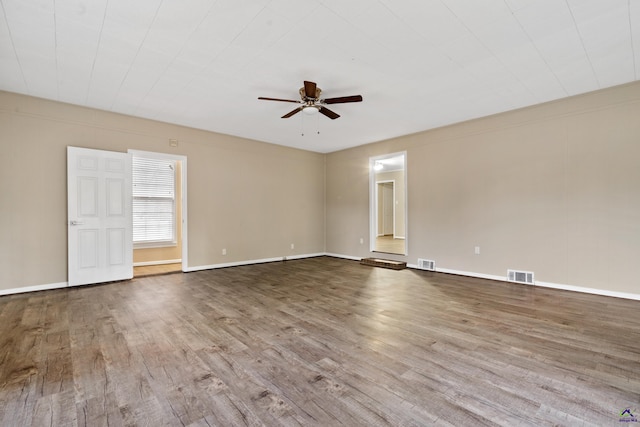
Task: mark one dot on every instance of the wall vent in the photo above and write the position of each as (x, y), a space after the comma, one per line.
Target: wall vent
(426, 264)
(516, 276)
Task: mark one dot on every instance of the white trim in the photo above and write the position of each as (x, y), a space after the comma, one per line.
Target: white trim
(603, 292)
(593, 291)
(353, 258)
(472, 274)
(156, 244)
(559, 286)
(163, 262)
(184, 205)
(304, 256)
(249, 262)
(35, 288)
(230, 264)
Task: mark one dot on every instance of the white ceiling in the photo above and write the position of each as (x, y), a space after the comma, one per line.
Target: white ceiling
(419, 64)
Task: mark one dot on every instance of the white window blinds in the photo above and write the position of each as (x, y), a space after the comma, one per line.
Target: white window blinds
(154, 220)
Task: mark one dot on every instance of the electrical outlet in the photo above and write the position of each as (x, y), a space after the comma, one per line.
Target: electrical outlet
(293, 246)
(361, 241)
(477, 250)
(224, 251)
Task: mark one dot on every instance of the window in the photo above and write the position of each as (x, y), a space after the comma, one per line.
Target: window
(154, 207)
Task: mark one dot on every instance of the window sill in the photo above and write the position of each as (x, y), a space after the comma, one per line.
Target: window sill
(150, 245)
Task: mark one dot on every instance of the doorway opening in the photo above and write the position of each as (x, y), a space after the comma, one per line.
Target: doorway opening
(160, 252)
(387, 212)
(387, 239)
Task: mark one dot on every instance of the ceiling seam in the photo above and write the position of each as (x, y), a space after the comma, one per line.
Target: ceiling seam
(55, 48)
(437, 47)
(251, 21)
(6, 21)
(490, 50)
(457, 63)
(633, 50)
(584, 49)
(137, 53)
(564, 89)
(342, 18)
(200, 73)
(293, 27)
(95, 56)
(206, 15)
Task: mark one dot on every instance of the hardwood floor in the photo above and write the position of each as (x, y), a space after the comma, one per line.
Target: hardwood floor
(317, 342)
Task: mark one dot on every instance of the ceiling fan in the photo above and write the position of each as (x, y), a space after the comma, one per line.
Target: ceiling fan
(311, 103)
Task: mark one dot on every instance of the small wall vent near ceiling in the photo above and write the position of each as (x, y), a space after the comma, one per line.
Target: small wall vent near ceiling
(426, 264)
(516, 276)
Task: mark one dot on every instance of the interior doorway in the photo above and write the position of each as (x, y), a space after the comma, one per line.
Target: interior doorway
(166, 257)
(388, 203)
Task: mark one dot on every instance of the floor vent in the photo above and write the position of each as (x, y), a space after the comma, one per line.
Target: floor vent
(385, 263)
(516, 276)
(426, 264)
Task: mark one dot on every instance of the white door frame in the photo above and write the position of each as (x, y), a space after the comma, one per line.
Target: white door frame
(183, 193)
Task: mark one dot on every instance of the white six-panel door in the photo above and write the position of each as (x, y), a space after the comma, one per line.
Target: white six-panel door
(99, 216)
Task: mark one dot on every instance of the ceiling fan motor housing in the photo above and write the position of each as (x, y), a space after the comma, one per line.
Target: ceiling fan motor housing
(304, 96)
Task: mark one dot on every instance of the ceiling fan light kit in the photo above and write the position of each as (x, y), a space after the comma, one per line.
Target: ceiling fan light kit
(312, 103)
(311, 110)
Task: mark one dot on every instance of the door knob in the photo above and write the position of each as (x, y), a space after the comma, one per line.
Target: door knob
(75, 222)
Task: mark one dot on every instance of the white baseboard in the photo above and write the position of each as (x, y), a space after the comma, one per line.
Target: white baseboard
(471, 274)
(249, 262)
(166, 261)
(560, 286)
(353, 258)
(35, 288)
(615, 294)
(305, 256)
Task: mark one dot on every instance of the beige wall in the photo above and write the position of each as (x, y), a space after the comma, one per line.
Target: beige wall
(553, 189)
(252, 198)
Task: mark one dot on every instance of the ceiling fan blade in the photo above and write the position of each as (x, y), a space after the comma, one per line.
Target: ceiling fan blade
(343, 99)
(291, 113)
(277, 99)
(310, 89)
(331, 114)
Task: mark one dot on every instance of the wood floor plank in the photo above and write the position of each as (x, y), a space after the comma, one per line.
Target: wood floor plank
(321, 342)
(54, 410)
(98, 412)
